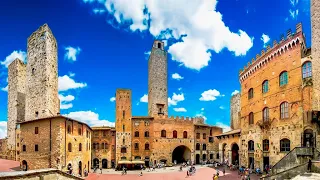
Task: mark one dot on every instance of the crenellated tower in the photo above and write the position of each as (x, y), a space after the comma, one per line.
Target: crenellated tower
(235, 111)
(16, 98)
(42, 75)
(315, 52)
(123, 124)
(158, 80)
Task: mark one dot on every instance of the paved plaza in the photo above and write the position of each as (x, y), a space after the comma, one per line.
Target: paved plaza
(9, 165)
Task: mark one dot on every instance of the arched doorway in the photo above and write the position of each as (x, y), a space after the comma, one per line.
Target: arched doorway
(95, 162)
(224, 149)
(197, 158)
(204, 157)
(235, 153)
(104, 163)
(24, 165)
(80, 168)
(308, 138)
(181, 154)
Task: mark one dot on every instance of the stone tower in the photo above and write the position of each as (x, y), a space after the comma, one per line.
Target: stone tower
(315, 52)
(42, 75)
(158, 80)
(235, 111)
(16, 98)
(123, 124)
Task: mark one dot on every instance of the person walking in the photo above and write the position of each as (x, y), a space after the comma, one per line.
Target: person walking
(309, 165)
(224, 171)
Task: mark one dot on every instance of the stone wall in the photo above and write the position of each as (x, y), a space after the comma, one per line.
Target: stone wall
(47, 174)
(235, 111)
(42, 75)
(315, 51)
(158, 80)
(16, 99)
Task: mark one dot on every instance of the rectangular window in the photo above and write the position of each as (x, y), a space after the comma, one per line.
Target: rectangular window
(36, 147)
(123, 128)
(204, 136)
(123, 114)
(198, 135)
(36, 130)
(211, 139)
(136, 146)
(104, 133)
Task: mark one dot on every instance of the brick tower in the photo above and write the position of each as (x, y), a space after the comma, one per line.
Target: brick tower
(16, 99)
(123, 124)
(42, 75)
(315, 52)
(158, 80)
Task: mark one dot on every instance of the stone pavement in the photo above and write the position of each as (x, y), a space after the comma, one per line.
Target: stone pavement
(202, 173)
(9, 165)
(307, 176)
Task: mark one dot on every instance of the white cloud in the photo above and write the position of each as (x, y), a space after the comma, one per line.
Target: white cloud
(66, 83)
(72, 53)
(175, 99)
(209, 95)
(294, 13)
(199, 21)
(14, 55)
(201, 115)
(65, 101)
(5, 89)
(265, 39)
(147, 54)
(179, 89)
(71, 74)
(179, 109)
(90, 118)
(98, 11)
(3, 129)
(221, 107)
(112, 99)
(202, 109)
(225, 128)
(234, 92)
(144, 98)
(176, 76)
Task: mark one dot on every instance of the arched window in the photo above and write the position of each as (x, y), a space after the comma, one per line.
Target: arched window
(102, 145)
(136, 134)
(185, 134)
(80, 131)
(307, 69)
(265, 114)
(97, 146)
(146, 134)
(198, 135)
(69, 129)
(24, 148)
(146, 146)
(123, 150)
(265, 86)
(250, 93)
(175, 134)
(284, 145)
(250, 145)
(265, 144)
(69, 147)
(136, 146)
(204, 147)
(251, 120)
(163, 133)
(283, 78)
(80, 147)
(197, 146)
(284, 110)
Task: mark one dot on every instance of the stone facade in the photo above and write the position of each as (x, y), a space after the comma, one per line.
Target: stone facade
(103, 147)
(158, 80)
(315, 40)
(235, 111)
(158, 138)
(16, 99)
(42, 75)
(55, 142)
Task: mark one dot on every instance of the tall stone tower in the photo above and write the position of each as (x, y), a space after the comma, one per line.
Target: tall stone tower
(315, 52)
(123, 124)
(235, 111)
(16, 99)
(42, 75)
(158, 80)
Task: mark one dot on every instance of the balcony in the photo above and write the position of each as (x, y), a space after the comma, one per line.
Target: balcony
(264, 123)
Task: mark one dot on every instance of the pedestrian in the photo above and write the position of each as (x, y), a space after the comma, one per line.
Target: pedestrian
(187, 173)
(100, 170)
(224, 171)
(309, 165)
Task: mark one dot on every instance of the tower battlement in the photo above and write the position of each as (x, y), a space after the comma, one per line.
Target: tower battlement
(286, 42)
(193, 120)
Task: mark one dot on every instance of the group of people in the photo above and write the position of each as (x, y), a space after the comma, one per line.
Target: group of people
(191, 171)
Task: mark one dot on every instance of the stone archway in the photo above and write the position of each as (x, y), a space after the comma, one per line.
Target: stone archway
(308, 139)
(104, 163)
(95, 162)
(197, 158)
(181, 154)
(235, 154)
(24, 165)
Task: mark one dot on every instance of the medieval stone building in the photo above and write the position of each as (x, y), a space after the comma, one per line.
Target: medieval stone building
(157, 137)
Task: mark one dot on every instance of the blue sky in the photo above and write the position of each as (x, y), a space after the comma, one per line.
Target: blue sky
(103, 45)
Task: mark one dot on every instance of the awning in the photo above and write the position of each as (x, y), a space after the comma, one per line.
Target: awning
(138, 162)
(124, 162)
